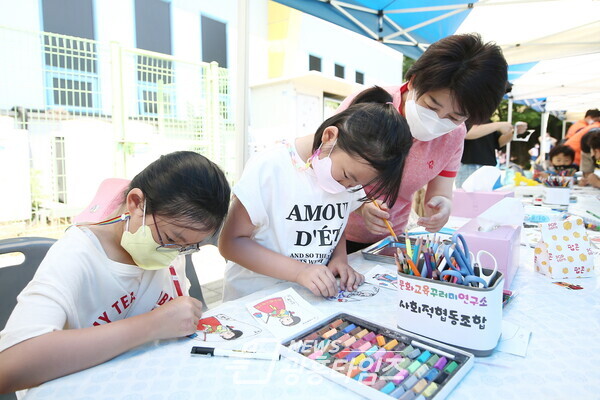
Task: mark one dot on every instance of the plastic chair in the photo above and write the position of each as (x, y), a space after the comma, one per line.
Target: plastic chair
(15, 277)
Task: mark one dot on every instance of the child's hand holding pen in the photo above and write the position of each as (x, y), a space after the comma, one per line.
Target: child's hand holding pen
(375, 213)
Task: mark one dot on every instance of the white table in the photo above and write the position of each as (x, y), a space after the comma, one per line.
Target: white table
(561, 361)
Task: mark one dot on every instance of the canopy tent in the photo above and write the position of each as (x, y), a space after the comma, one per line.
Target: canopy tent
(529, 32)
(570, 83)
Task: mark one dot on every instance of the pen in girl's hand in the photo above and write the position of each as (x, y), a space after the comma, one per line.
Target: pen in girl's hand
(387, 223)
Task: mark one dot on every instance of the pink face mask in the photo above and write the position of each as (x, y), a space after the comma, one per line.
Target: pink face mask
(322, 169)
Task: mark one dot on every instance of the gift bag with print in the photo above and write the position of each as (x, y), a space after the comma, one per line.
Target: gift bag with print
(565, 250)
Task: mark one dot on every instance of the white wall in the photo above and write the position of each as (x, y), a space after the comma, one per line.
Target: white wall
(335, 45)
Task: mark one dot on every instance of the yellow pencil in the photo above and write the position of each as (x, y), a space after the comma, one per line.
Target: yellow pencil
(408, 245)
(389, 226)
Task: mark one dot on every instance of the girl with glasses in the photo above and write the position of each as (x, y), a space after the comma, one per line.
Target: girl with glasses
(105, 288)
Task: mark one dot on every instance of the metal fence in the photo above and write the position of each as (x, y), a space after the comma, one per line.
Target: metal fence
(75, 111)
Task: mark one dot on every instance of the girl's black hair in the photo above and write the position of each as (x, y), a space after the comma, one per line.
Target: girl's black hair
(475, 72)
(373, 129)
(186, 187)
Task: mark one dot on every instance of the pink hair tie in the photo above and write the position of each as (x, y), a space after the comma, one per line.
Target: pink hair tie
(389, 102)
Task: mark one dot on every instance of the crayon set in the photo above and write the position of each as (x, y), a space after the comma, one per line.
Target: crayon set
(378, 362)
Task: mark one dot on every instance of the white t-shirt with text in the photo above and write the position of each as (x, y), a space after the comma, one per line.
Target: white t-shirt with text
(292, 215)
(78, 286)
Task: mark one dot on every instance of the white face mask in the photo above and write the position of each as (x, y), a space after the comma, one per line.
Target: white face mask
(322, 170)
(425, 125)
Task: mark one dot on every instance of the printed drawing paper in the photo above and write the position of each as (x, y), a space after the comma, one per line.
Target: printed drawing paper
(364, 292)
(384, 277)
(222, 328)
(283, 313)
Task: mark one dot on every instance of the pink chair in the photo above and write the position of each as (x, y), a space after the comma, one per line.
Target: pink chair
(108, 197)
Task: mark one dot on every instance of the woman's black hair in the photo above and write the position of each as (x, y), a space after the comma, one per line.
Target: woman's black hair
(475, 72)
(373, 129)
(186, 187)
(562, 149)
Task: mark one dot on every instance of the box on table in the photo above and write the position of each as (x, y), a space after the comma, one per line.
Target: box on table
(369, 376)
(463, 316)
(471, 204)
(502, 242)
(557, 195)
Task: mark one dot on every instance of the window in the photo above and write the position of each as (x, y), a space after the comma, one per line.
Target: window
(339, 71)
(314, 63)
(360, 77)
(214, 41)
(71, 71)
(153, 26)
(155, 75)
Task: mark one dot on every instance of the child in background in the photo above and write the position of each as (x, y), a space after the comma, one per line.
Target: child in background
(291, 206)
(105, 288)
(560, 163)
(590, 158)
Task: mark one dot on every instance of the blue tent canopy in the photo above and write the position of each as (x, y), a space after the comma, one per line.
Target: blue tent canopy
(406, 29)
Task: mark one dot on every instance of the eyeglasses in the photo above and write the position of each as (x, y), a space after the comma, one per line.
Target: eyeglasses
(183, 250)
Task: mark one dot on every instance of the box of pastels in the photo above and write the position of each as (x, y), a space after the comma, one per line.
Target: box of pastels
(377, 362)
(464, 316)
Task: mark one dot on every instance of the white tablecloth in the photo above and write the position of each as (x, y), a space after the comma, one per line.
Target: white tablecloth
(561, 361)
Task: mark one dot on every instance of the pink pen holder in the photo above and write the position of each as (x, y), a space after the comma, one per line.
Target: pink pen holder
(502, 242)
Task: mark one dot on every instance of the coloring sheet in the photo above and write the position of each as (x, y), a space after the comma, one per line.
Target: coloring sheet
(364, 292)
(384, 277)
(221, 328)
(283, 313)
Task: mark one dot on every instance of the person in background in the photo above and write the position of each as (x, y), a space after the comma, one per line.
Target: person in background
(480, 147)
(456, 79)
(547, 142)
(560, 163)
(108, 287)
(481, 143)
(590, 117)
(575, 140)
(590, 158)
(288, 216)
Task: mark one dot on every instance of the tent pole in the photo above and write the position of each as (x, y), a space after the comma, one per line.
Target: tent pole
(241, 121)
(509, 119)
(543, 129)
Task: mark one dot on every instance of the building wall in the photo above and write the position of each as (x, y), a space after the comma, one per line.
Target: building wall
(294, 36)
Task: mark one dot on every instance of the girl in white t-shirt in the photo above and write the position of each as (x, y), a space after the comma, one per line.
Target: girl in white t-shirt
(92, 296)
(291, 205)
